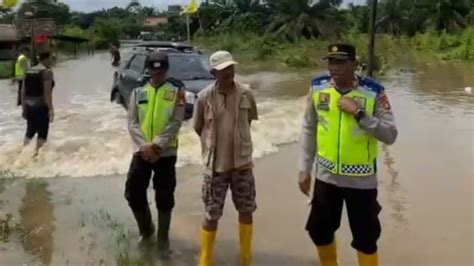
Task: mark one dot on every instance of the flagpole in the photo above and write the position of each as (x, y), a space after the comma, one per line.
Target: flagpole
(187, 27)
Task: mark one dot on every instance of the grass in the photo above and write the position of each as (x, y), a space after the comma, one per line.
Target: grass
(6, 70)
(307, 53)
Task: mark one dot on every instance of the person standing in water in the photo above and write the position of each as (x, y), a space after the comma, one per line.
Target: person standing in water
(37, 100)
(222, 118)
(346, 116)
(115, 55)
(22, 64)
(155, 115)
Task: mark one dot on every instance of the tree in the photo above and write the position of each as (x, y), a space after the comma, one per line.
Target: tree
(58, 11)
(296, 18)
(448, 14)
(411, 16)
(394, 16)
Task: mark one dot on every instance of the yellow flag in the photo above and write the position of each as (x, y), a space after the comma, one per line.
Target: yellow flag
(191, 8)
(9, 3)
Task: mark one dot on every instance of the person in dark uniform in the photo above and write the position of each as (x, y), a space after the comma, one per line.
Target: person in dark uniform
(346, 116)
(155, 115)
(37, 100)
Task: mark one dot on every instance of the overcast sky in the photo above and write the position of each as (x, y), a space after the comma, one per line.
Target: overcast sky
(90, 5)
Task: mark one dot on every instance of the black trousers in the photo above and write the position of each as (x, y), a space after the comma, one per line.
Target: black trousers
(18, 99)
(164, 183)
(37, 122)
(362, 210)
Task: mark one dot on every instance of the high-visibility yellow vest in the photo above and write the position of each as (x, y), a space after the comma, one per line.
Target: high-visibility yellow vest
(155, 109)
(343, 147)
(19, 71)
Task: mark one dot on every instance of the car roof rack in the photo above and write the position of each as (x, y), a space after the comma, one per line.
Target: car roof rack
(183, 47)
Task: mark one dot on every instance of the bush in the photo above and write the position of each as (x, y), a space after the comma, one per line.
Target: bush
(6, 70)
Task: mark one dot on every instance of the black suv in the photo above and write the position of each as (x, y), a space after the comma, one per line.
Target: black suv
(186, 64)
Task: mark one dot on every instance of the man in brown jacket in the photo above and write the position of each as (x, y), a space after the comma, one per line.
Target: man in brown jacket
(222, 117)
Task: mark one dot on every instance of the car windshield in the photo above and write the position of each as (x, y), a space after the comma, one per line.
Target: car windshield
(189, 67)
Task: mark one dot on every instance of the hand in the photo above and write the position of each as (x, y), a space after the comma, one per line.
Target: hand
(51, 116)
(150, 152)
(348, 105)
(305, 183)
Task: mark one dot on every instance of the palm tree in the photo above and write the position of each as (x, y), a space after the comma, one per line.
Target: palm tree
(448, 14)
(296, 18)
(394, 16)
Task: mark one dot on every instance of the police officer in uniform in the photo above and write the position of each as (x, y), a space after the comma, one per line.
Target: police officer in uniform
(345, 118)
(22, 64)
(155, 114)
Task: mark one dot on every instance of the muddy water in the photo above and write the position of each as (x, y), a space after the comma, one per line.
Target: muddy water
(426, 179)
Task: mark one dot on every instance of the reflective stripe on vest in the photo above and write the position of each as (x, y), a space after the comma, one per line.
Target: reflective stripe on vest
(155, 109)
(343, 147)
(19, 71)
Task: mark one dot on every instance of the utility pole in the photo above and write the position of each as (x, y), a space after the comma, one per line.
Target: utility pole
(372, 31)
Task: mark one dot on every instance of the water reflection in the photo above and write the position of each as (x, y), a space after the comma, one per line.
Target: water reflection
(394, 190)
(442, 85)
(37, 221)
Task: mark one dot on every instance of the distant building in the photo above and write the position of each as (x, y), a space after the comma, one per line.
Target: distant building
(8, 42)
(154, 21)
(174, 9)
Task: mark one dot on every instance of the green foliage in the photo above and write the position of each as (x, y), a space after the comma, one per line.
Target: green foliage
(447, 46)
(6, 70)
(46, 9)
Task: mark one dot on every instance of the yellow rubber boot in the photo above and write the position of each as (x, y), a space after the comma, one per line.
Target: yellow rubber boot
(245, 233)
(328, 254)
(368, 260)
(207, 246)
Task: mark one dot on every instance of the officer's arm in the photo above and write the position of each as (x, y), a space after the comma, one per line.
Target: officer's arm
(308, 137)
(253, 112)
(172, 129)
(382, 124)
(133, 124)
(48, 88)
(198, 114)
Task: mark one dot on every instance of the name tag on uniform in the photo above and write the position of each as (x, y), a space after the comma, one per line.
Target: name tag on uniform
(361, 101)
(324, 100)
(169, 95)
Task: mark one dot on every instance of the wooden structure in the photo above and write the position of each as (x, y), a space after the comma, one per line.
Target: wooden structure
(9, 42)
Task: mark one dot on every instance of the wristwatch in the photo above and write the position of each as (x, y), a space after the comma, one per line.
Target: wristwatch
(360, 114)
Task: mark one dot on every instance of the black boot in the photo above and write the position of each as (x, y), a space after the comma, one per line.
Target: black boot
(163, 242)
(145, 225)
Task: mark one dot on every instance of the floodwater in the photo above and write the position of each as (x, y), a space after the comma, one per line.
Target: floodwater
(66, 207)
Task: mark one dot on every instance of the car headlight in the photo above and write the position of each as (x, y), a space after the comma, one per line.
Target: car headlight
(190, 97)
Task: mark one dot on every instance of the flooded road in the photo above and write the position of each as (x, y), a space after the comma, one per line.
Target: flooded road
(75, 214)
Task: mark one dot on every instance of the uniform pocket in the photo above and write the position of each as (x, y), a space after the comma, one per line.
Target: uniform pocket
(246, 148)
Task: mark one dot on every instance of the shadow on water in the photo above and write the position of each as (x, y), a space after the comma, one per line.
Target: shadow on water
(37, 221)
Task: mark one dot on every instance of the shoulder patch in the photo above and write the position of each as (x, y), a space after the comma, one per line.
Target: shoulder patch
(321, 81)
(175, 82)
(371, 85)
